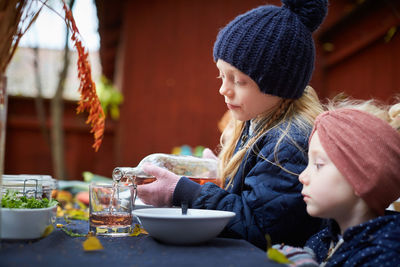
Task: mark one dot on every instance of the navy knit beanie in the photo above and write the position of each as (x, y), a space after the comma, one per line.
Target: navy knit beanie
(273, 45)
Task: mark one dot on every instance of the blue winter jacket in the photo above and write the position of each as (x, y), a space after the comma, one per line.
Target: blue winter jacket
(265, 198)
(373, 243)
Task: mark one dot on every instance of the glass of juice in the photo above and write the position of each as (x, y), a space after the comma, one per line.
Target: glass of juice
(110, 209)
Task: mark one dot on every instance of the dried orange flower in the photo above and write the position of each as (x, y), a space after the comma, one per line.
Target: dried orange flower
(89, 100)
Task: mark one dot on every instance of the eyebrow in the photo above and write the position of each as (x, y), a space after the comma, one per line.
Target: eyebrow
(225, 69)
(314, 151)
(228, 67)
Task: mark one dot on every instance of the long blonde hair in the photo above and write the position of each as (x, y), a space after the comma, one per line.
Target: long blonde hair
(300, 112)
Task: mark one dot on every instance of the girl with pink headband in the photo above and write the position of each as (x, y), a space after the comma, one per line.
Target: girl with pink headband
(352, 176)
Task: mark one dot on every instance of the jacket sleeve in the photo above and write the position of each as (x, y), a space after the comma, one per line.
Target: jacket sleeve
(269, 199)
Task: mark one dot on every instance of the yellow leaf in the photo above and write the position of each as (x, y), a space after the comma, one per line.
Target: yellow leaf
(64, 196)
(68, 206)
(137, 230)
(48, 230)
(274, 254)
(76, 214)
(60, 212)
(81, 205)
(59, 225)
(92, 244)
(277, 256)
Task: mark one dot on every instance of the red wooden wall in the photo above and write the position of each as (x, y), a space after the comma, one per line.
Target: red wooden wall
(27, 151)
(364, 62)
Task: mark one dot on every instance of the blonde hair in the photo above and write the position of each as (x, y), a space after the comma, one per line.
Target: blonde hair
(389, 113)
(300, 112)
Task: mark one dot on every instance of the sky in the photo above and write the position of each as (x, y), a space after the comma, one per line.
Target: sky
(48, 31)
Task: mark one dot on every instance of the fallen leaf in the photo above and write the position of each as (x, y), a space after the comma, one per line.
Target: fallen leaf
(277, 256)
(92, 243)
(76, 214)
(137, 230)
(274, 254)
(48, 230)
(60, 212)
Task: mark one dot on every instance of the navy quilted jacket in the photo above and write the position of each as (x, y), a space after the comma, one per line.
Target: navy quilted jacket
(373, 243)
(265, 198)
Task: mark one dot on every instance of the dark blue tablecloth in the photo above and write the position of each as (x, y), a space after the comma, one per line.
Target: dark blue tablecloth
(59, 249)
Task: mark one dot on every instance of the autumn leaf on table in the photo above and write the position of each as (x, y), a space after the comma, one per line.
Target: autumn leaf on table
(274, 254)
(138, 230)
(92, 243)
(277, 256)
(48, 230)
(77, 214)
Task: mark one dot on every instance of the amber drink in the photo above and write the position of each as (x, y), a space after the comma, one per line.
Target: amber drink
(146, 180)
(110, 209)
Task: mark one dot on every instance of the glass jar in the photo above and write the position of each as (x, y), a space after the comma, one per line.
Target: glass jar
(37, 186)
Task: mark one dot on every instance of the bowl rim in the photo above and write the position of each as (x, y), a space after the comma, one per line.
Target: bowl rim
(198, 213)
(28, 210)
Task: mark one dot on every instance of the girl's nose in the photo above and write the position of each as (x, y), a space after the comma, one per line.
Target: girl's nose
(303, 177)
(225, 90)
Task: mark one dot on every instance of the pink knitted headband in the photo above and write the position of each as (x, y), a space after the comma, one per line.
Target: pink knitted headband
(366, 150)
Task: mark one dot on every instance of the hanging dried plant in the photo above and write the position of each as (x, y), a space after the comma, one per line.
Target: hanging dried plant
(16, 16)
(89, 100)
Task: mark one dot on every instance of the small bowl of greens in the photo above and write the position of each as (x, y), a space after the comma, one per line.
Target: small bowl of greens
(26, 218)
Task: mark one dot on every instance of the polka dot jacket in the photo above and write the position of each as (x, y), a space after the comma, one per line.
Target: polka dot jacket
(373, 243)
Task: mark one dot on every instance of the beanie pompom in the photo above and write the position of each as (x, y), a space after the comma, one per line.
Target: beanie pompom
(310, 12)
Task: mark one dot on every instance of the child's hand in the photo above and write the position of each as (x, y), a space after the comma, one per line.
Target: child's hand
(208, 154)
(158, 193)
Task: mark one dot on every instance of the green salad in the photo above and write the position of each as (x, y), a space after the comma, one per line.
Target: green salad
(12, 201)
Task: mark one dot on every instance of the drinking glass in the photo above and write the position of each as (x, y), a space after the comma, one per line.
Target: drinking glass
(110, 209)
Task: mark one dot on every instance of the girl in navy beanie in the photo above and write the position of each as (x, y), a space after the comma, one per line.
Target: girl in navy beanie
(265, 59)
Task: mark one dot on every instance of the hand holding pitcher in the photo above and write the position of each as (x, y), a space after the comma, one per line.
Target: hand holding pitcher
(158, 193)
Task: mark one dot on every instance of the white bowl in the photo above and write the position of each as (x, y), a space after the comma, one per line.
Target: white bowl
(25, 223)
(170, 226)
